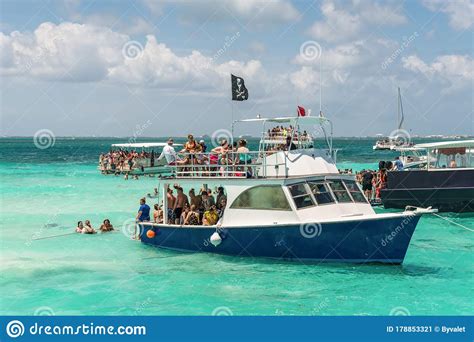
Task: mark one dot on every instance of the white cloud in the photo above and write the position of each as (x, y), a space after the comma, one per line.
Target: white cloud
(458, 70)
(67, 52)
(460, 12)
(344, 24)
(64, 51)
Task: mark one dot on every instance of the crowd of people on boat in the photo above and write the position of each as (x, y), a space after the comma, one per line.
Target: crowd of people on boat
(86, 227)
(281, 133)
(227, 157)
(222, 159)
(204, 208)
(117, 161)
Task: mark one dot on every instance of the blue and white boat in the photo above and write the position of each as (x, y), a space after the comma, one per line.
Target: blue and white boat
(288, 204)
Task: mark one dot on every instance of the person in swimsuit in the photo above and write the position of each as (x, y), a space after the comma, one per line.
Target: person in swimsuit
(367, 178)
(157, 214)
(80, 227)
(171, 199)
(106, 226)
(184, 214)
(195, 200)
(181, 201)
(190, 148)
(88, 228)
(192, 217)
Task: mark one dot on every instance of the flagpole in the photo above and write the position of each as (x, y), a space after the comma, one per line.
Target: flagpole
(232, 123)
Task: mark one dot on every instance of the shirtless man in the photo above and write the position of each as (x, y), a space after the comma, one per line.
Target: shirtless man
(195, 200)
(170, 199)
(181, 200)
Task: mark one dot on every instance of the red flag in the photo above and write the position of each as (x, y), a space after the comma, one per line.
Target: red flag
(301, 111)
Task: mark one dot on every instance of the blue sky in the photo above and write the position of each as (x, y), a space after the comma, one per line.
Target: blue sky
(158, 68)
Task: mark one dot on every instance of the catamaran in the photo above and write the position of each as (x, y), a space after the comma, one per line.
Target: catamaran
(285, 201)
(438, 174)
(146, 163)
(397, 139)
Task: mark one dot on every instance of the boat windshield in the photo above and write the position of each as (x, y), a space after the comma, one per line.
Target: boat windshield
(262, 197)
(313, 193)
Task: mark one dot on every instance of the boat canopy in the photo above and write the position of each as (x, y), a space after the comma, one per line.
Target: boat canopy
(143, 145)
(446, 144)
(302, 120)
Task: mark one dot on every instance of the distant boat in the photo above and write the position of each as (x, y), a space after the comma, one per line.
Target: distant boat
(442, 178)
(394, 141)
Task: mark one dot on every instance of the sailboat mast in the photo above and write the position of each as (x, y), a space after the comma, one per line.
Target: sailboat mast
(400, 110)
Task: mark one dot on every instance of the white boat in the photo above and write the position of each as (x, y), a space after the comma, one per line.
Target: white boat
(147, 163)
(399, 137)
(289, 203)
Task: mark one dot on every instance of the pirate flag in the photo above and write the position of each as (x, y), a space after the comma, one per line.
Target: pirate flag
(239, 92)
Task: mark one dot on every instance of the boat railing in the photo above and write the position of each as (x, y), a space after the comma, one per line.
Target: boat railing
(303, 138)
(125, 166)
(223, 165)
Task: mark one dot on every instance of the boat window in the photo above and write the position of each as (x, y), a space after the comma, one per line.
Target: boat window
(321, 193)
(355, 191)
(340, 191)
(263, 197)
(301, 196)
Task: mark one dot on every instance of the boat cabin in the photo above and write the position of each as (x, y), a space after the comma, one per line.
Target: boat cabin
(439, 155)
(253, 202)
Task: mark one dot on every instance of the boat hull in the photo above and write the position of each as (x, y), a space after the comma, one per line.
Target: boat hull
(445, 190)
(383, 240)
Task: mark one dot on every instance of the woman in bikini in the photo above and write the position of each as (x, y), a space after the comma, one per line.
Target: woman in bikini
(192, 217)
(106, 226)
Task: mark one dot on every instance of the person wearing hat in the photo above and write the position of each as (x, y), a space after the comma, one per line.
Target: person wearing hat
(170, 154)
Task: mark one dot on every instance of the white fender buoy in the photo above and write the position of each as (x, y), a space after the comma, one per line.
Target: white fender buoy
(215, 239)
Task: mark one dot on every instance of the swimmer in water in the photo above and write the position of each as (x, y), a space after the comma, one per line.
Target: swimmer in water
(88, 228)
(80, 227)
(106, 226)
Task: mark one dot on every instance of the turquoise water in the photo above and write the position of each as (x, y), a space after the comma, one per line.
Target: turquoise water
(45, 192)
